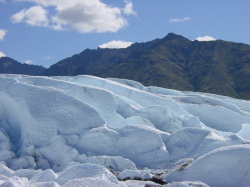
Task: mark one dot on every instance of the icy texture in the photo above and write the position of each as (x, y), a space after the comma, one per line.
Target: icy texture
(186, 184)
(136, 183)
(51, 128)
(86, 171)
(75, 176)
(135, 174)
(227, 166)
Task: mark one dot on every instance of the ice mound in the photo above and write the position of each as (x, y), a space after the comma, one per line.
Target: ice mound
(55, 129)
(226, 166)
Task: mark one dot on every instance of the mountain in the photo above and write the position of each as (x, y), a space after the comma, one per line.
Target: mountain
(11, 66)
(218, 67)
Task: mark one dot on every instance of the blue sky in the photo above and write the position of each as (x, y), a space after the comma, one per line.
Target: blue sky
(46, 31)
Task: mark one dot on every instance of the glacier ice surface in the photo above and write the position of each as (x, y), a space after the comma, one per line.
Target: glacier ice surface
(72, 131)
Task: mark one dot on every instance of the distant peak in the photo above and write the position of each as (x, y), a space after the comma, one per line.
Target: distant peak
(4, 58)
(173, 36)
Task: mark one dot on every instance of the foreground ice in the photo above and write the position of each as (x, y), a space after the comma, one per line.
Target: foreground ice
(226, 166)
(89, 131)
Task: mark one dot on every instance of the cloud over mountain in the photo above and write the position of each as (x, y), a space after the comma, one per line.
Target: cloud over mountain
(116, 44)
(35, 16)
(128, 9)
(205, 38)
(83, 16)
(2, 54)
(179, 20)
(2, 34)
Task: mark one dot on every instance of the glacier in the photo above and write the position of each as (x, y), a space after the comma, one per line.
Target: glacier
(90, 131)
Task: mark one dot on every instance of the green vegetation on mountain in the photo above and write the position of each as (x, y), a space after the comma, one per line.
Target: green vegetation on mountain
(218, 67)
(11, 66)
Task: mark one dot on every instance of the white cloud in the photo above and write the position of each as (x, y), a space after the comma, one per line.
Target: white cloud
(84, 16)
(35, 16)
(179, 20)
(116, 44)
(205, 38)
(2, 34)
(2, 54)
(128, 10)
(90, 17)
(47, 57)
(29, 62)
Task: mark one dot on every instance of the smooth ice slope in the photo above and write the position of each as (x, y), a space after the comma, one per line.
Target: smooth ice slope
(54, 128)
(227, 167)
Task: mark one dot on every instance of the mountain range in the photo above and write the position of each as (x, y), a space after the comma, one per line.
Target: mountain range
(218, 67)
(11, 66)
